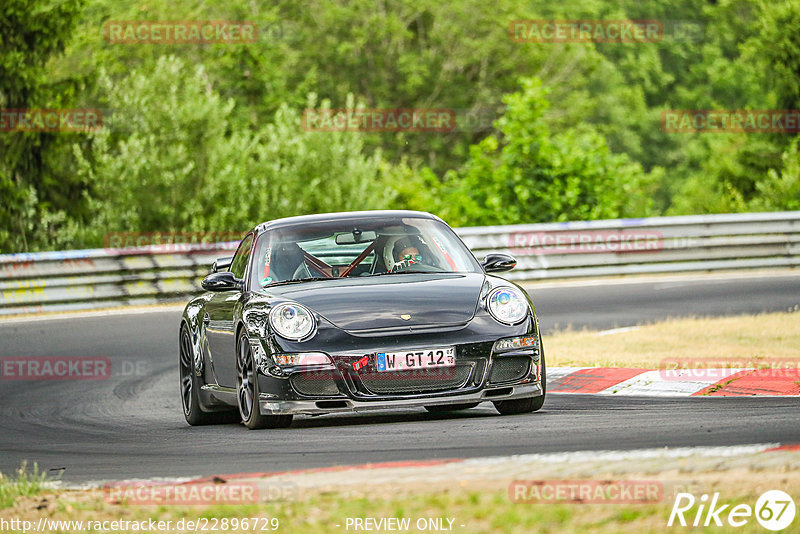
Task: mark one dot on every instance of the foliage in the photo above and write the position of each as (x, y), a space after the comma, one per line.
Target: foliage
(208, 136)
(37, 192)
(174, 158)
(26, 483)
(539, 176)
(781, 190)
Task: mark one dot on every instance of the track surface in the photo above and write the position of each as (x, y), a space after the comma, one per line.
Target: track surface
(131, 425)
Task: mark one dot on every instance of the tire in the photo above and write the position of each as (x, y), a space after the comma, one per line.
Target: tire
(528, 404)
(190, 387)
(451, 407)
(247, 392)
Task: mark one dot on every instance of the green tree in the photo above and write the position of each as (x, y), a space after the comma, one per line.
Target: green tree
(37, 191)
(759, 69)
(775, 50)
(183, 151)
(531, 175)
(176, 158)
(781, 189)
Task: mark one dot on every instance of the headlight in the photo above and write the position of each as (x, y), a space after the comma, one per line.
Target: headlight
(507, 305)
(292, 321)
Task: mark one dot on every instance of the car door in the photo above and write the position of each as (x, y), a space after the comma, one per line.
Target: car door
(219, 320)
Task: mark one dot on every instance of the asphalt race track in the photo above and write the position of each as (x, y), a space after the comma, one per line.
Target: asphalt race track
(618, 303)
(131, 426)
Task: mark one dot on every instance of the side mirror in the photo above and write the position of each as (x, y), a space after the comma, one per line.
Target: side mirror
(498, 263)
(221, 264)
(224, 281)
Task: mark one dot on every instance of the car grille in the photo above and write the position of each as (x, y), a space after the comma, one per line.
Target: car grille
(314, 385)
(417, 381)
(509, 369)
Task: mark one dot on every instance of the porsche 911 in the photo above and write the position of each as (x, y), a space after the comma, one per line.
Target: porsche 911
(355, 311)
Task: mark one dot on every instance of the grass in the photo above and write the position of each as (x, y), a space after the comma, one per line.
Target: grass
(24, 484)
(470, 511)
(752, 339)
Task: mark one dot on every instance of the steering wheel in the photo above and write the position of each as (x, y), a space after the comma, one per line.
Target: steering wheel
(418, 266)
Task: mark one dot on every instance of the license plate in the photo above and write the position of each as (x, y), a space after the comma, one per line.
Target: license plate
(416, 359)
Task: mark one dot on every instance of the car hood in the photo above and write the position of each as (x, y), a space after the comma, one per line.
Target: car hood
(392, 301)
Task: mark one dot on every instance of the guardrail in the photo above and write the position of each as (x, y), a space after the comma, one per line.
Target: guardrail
(635, 246)
(99, 278)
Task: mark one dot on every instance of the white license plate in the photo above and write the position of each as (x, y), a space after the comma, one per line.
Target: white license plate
(416, 359)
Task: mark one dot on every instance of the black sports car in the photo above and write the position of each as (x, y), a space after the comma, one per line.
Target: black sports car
(356, 311)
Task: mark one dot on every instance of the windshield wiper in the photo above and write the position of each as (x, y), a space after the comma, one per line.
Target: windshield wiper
(297, 281)
(408, 272)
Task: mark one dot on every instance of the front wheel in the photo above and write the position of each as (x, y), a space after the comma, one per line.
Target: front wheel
(190, 388)
(247, 392)
(526, 405)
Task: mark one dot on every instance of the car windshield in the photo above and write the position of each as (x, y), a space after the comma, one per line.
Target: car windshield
(371, 247)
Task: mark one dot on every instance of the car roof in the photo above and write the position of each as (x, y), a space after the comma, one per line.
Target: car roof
(342, 216)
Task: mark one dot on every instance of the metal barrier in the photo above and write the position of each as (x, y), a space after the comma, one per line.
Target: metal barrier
(99, 278)
(636, 246)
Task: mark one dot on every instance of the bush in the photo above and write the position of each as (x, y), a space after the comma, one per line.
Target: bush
(174, 158)
(530, 175)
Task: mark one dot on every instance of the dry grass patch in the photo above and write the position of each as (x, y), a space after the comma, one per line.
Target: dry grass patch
(750, 339)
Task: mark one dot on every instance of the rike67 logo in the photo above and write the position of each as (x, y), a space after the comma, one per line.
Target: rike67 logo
(774, 510)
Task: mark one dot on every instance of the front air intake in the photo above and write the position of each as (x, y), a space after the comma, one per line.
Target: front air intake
(509, 369)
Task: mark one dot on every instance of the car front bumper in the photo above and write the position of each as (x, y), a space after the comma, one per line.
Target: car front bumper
(322, 406)
(351, 383)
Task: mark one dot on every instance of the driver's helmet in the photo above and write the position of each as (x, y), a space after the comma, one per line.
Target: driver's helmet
(409, 249)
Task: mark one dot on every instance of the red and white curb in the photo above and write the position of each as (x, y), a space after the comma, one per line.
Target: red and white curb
(725, 382)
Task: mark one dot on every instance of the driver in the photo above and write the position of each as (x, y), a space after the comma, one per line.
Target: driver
(410, 254)
(406, 252)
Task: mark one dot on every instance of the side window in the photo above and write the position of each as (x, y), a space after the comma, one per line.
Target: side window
(239, 263)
